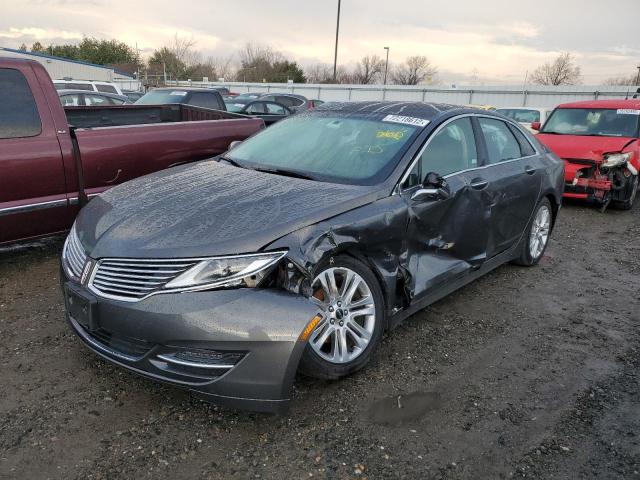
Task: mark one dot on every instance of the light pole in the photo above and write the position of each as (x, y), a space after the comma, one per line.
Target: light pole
(335, 55)
(386, 66)
(638, 76)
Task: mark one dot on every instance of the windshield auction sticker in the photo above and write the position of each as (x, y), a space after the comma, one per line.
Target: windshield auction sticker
(180, 94)
(627, 111)
(416, 122)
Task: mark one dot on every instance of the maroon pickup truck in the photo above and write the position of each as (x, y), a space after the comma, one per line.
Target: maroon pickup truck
(53, 159)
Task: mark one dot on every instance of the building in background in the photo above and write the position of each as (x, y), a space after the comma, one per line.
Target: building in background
(61, 68)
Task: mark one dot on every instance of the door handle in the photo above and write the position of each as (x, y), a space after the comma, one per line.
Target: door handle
(479, 184)
(529, 170)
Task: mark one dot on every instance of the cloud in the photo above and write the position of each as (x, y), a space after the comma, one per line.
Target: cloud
(34, 33)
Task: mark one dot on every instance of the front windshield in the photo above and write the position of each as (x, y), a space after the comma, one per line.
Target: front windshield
(162, 97)
(593, 122)
(356, 149)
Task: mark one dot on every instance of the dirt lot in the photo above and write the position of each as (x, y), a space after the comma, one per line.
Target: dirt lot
(525, 373)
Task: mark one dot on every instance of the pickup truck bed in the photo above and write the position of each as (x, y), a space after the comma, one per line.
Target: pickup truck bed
(52, 160)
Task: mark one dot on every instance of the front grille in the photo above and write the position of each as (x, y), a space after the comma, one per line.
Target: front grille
(73, 255)
(134, 279)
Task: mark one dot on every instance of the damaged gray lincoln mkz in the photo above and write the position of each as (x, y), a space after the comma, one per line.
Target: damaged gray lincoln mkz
(296, 249)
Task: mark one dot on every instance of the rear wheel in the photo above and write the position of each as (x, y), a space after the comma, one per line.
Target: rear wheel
(351, 302)
(536, 238)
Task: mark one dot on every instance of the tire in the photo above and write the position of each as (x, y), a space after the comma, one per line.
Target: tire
(528, 255)
(633, 191)
(329, 359)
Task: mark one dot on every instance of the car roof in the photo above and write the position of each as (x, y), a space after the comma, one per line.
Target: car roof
(632, 103)
(422, 110)
(186, 89)
(67, 91)
(525, 108)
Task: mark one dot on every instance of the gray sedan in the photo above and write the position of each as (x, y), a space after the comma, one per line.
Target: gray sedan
(83, 98)
(299, 247)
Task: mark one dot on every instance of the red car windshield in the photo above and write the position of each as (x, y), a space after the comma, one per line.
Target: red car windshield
(593, 122)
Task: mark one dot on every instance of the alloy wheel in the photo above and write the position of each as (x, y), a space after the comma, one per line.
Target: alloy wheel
(348, 315)
(540, 232)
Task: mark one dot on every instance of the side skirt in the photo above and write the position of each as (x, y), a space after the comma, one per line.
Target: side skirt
(450, 287)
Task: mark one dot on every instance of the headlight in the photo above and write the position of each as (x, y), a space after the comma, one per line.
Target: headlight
(231, 271)
(615, 159)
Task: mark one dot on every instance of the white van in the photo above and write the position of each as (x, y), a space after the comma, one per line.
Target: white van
(89, 85)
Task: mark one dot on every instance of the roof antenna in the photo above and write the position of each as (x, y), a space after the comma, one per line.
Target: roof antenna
(626, 97)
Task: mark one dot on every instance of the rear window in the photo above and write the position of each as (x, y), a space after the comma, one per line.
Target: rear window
(161, 97)
(74, 86)
(18, 112)
(521, 115)
(593, 122)
(207, 100)
(106, 88)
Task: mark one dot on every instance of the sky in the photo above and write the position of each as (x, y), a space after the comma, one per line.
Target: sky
(483, 42)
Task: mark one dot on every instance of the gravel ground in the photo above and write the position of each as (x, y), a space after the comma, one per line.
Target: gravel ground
(524, 373)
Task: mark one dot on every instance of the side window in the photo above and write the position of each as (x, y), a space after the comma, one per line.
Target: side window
(501, 144)
(95, 100)
(451, 150)
(204, 99)
(256, 108)
(115, 101)
(71, 100)
(525, 145)
(18, 111)
(106, 88)
(288, 101)
(527, 116)
(275, 109)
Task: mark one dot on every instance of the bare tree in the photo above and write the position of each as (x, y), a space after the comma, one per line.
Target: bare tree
(223, 67)
(413, 71)
(184, 50)
(319, 73)
(562, 71)
(368, 69)
(623, 81)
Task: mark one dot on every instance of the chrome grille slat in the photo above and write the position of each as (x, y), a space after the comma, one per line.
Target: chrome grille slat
(115, 276)
(115, 269)
(74, 254)
(107, 278)
(145, 286)
(131, 279)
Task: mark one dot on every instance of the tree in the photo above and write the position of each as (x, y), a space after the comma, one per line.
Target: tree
(37, 47)
(166, 60)
(413, 71)
(562, 71)
(623, 81)
(261, 63)
(368, 69)
(319, 73)
(23, 47)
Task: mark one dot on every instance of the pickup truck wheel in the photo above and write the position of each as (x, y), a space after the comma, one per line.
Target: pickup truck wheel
(632, 188)
(536, 237)
(352, 305)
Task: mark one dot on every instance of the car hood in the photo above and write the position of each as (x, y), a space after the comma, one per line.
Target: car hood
(208, 208)
(587, 148)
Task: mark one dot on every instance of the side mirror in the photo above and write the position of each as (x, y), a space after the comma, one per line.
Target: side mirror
(434, 187)
(234, 144)
(535, 126)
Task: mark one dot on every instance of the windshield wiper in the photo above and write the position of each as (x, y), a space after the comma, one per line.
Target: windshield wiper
(286, 173)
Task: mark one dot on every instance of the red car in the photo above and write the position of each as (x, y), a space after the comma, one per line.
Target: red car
(600, 145)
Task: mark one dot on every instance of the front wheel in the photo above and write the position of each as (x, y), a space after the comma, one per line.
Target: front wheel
(352, 306)
(536, 237)
(632, 189)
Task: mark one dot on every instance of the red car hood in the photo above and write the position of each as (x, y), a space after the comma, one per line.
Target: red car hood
(587, 148)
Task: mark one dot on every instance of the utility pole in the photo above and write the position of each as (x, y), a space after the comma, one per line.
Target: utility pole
(638, 76)
(386, 66)
(335, 56)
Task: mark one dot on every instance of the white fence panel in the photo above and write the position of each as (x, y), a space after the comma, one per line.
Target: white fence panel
(500, 96)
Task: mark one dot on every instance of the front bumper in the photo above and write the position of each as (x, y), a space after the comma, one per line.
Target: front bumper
(237, 347)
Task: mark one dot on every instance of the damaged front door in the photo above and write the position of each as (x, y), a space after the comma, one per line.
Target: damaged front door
(448, 225)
